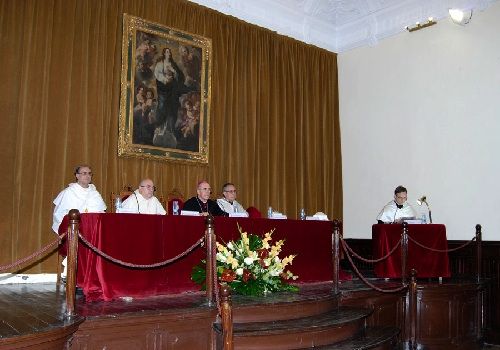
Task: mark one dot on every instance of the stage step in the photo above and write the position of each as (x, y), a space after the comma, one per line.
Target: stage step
(345, 325)
(374, 338)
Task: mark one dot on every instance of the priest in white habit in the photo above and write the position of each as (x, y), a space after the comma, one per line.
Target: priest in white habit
(143, 201)
(398, 209)
(81, 195)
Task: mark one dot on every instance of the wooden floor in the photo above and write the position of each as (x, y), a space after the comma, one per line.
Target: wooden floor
(39, 307)
(27, 309)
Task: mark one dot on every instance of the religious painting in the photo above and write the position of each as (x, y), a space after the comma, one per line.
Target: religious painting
(165, 93)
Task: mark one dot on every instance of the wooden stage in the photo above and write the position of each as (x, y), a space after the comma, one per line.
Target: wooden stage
(32, 317)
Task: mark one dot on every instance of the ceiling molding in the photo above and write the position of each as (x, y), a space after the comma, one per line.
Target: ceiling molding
(339, 25)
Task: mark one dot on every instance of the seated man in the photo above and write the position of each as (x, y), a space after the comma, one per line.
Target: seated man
(397, 209)
(202, 202)
(143, 201)
(228, 201)
(81, 195)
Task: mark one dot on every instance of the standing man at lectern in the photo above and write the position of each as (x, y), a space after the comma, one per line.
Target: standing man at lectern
(398, 209)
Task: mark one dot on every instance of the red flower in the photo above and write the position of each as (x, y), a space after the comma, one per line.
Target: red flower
(263, 253)
(247, 274)
(263, 264)
(228, 275)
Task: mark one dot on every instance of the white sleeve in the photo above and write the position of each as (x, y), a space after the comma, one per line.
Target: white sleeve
(159, 208)
(59, 211)
(131, 203)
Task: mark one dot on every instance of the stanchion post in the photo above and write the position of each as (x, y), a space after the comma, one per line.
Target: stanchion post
(210, 242)
(335, 255)
(404, 252)
(480, 299)
(227, 317)
(72, 236)
(412, 311)
(478, 253)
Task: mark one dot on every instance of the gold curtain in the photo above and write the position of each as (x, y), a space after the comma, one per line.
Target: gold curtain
(274, 128)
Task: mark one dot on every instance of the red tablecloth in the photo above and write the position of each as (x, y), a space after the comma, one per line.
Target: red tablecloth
(147, 239)
(426, 262)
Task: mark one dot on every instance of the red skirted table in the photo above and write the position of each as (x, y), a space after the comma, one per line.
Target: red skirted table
(427, 263)
(148, 239)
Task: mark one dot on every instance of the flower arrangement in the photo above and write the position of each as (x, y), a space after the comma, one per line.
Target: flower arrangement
(251, 265)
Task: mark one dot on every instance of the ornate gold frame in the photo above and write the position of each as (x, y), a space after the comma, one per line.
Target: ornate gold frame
(164, 134)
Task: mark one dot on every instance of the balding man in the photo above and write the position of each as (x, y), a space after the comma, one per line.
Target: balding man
(202, 202)
(143, 201)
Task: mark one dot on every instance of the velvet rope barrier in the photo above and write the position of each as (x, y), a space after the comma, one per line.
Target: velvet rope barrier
(34, 255)
(371, 261)
(442, 250)
(365, 281)
(140, 266)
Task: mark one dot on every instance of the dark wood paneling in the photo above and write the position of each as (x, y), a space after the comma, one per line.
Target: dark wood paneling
(462, 265)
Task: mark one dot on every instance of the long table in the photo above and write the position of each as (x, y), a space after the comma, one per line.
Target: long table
(427, 263)
(148, 239)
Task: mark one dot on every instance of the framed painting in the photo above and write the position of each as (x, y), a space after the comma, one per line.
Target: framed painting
(165, 93)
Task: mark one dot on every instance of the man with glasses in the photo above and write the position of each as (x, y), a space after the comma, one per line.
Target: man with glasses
(143, 201)
(81, 195)
(202, 202)
(398, 209)
(228, 201)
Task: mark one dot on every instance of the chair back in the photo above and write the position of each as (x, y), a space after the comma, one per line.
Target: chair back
(174, 195)
(253, 212)
(123, 194)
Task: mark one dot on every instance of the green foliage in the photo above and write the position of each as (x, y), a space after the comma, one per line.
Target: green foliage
(250, 266)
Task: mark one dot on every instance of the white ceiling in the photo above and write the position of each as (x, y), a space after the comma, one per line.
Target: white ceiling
(339, 25)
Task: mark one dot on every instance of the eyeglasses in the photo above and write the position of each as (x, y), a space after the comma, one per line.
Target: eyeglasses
(85, 173)
(149, 187)
(231, 191)
(205, 189)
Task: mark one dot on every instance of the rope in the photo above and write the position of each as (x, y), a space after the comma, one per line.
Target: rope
(369, 284)
(139, 266)
(32, 256)
(442, 250)
(370, 260)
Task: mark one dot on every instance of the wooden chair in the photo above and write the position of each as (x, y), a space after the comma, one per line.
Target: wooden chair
(174, 195)
(123, 194)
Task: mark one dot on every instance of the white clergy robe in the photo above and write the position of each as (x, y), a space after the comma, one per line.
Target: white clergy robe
(391, 213)
(229, 208)
(136, 203)
(86, 200)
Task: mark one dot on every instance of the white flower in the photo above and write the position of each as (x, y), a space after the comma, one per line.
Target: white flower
(230, 246)
(221, 257)
(239, 271)
(248, 260)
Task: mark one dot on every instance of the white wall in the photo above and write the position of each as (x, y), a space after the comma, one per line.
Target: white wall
(422, 110)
